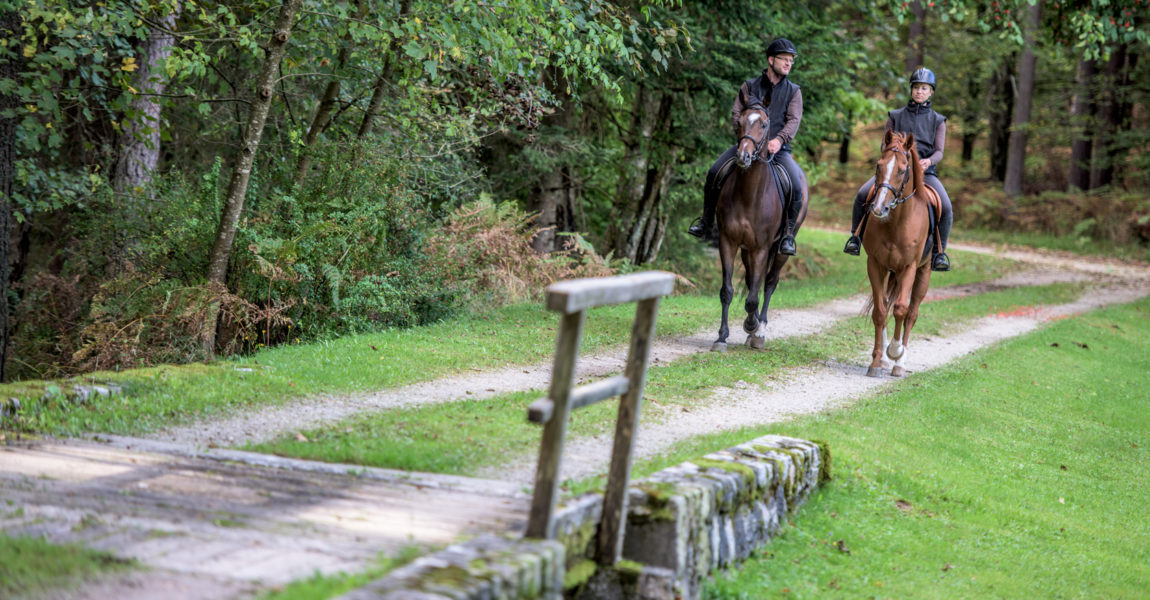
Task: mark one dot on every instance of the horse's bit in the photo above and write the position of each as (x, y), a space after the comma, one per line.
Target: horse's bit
(899, 198)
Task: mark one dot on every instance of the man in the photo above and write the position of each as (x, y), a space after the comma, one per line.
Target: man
(784, 102)
(929, 129)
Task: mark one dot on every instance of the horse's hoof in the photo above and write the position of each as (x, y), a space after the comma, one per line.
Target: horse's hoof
(756, 342)
(897, 372)
(895, 350)
(750, 326)
(719, 347)
(873, 372)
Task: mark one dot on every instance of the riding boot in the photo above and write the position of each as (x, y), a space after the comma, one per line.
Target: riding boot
(940, 262)
(854, 245)
(704, 227)
(787, 245)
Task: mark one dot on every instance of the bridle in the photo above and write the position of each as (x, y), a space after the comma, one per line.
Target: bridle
(898, 197)
(758, 155)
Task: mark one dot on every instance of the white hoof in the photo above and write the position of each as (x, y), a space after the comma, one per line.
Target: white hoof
(895, 350)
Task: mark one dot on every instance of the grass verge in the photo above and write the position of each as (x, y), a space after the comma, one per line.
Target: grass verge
(1020, 472)
(322, 587)
(33, 568)
(161, 396)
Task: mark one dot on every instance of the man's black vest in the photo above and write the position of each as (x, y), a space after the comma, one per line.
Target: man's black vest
(923, 122)
(781, 95)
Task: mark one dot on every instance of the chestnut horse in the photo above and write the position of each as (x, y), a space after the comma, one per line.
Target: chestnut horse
(895, 239)
(751, 217)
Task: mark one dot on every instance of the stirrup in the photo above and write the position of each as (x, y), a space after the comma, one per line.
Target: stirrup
(787, 245)
(697, 229)
(940, 262)
(854, 244)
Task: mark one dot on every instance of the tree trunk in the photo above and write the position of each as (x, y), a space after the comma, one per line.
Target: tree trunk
(323, 110)
(916, 37)
(368, 122)
(968, 140)
(1016, 155)
(971, 117)
(1081, 107)
(1111, 117)
(140, 137)
(245, 157)
(845, 142)
(1001, 101)
(550, 197)
(639, 197)
(10, 30)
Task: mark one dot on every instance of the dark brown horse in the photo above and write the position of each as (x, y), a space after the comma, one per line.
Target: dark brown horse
(898, 261)
(750, 216)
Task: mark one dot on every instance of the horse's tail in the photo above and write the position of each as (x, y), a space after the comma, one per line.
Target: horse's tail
(891, 284)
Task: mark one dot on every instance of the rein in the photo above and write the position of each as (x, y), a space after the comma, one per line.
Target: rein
(899, 198)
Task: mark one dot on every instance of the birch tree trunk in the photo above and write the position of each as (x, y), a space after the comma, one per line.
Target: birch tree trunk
(1016, 155)
(140, 138)
(245, 157)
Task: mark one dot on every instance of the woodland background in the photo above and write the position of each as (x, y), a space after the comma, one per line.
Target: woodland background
(183, 179)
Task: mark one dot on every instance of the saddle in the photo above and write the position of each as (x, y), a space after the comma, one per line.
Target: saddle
(782, 180)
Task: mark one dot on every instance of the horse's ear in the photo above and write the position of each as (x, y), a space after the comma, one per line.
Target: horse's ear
(887, 138)
(909, 140)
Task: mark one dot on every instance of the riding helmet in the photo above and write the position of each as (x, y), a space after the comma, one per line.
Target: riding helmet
(781, 46)
(922, 75)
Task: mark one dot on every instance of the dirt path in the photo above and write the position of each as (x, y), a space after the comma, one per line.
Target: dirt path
(217, 523)
(268, 423)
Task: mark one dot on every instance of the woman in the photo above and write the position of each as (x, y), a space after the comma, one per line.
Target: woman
(929, 129)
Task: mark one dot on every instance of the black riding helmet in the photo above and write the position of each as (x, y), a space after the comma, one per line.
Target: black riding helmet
(922, 75)
(782, 46)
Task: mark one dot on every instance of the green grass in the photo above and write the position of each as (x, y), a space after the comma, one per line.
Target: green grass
(1020, 472)
(462, 437)
(161, 396)
(32, 567)
(1066, 243)
(322, 587)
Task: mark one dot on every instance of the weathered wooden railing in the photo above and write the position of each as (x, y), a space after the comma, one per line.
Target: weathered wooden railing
(572, 299)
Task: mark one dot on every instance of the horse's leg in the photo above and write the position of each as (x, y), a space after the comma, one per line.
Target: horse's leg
(750, 324)
(877, 275)
(726, 292)
(755, 327)
(896, 350)
(921, 284)
(772, 282)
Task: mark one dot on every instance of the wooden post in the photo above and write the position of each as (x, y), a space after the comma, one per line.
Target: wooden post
(573, 299)
(614, 521)
(555, 431)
